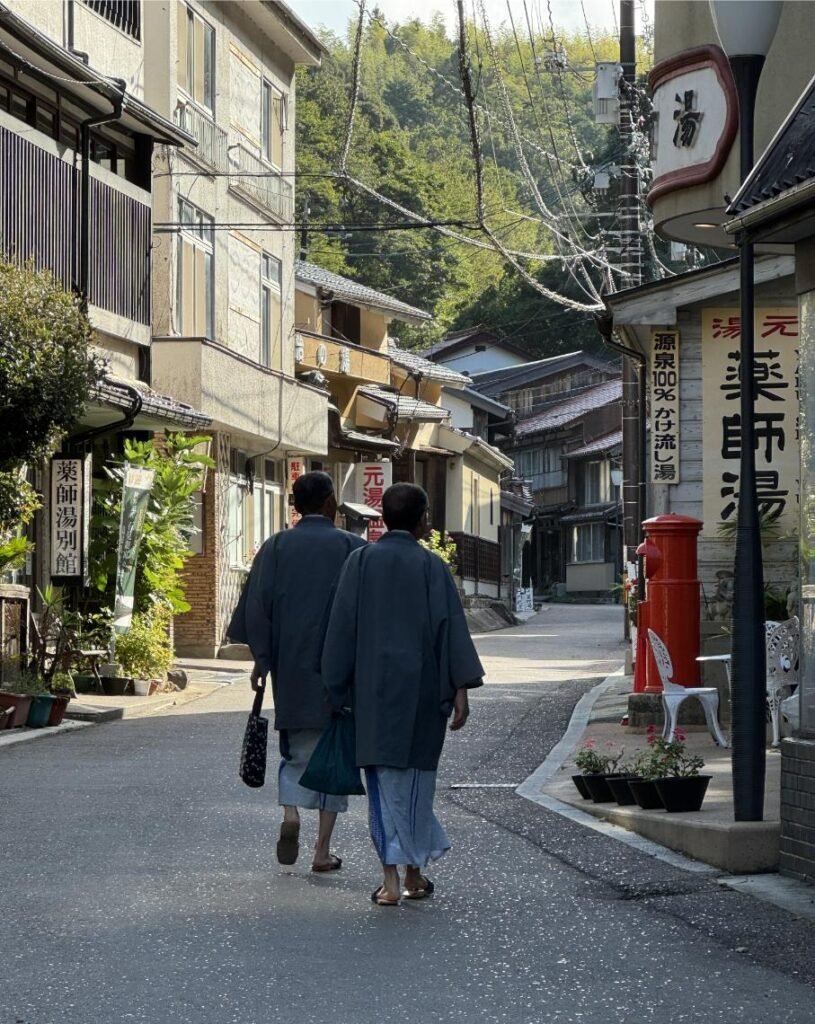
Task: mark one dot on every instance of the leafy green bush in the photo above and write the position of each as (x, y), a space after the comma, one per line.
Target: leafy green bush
(145, 651)
(169, 523)
(47, 366)
(444, 547)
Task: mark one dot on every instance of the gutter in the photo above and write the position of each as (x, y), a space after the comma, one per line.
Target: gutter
(127, 421)
(772, 208)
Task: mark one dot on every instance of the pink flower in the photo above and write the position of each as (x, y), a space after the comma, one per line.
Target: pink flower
(679, 735)
(609, 745)
(589, 745)
(651, 730)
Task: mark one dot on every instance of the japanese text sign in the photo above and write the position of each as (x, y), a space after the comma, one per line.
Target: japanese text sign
(373, 479)
(295, 468)
(70, 518)
(775, 370)
(664, 376)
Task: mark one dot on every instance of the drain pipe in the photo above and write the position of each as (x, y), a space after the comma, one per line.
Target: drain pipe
(605, 326)
(85, 189)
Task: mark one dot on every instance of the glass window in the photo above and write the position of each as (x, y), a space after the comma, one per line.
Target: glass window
(272, 123)
(196, 57)
(195, 272)
(594, 490)
(588, 542)
(271, 312)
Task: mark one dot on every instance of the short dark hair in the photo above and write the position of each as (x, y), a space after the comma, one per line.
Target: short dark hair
(403, 506)
(311, 491)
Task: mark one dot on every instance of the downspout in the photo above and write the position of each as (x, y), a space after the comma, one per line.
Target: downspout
(605, 326)
(85, 190)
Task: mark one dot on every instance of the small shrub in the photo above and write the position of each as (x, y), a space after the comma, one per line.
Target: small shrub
(145, 651)
(444, 547)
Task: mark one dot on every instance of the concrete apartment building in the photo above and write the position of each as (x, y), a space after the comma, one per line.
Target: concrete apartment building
(223, 276)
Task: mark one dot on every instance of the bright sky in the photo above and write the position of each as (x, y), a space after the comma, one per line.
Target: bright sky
(335, 14)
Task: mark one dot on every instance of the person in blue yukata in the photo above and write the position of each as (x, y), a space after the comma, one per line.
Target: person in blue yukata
(282, 616)
(399, 652)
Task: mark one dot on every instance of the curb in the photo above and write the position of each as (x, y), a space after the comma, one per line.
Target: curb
(790, 895)
(41, 734)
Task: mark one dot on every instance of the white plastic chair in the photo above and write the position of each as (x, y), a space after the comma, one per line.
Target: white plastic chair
(673, 695)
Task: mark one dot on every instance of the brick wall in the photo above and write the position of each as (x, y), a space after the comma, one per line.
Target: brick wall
(196, 631)
(798, 809)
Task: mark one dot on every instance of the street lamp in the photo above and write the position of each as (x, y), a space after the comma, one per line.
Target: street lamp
(746, 29)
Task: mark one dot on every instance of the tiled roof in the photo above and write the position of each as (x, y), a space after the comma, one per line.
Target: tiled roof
(789, 160)
(572, 408)
(496, 382)
(593, 514)
(118, 392)
(349, 291)
(600, 444)
(459, 339)
(407, 408)
(431, 371)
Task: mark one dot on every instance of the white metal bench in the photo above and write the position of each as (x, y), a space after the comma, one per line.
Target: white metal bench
(674, 695)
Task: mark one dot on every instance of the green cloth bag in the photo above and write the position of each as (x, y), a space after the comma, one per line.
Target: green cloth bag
(333, 768)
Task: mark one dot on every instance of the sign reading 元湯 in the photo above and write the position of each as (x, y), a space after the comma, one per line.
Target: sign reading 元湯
(776, 415)
(665, 407)
(373, 479)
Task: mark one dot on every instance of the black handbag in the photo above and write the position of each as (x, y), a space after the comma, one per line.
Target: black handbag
(253, 752)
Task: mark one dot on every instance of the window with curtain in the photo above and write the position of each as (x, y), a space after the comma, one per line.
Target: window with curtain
(195, 272)
(196, 57)
(272, 124)
(588, 542)
(271, 312)
(595, 489)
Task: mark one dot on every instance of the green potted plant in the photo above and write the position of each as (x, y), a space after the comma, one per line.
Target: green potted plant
(145, 651)
(627, 770)
(648, 765)
(681, 788)
(595, 769)
(34, 686)
(63, 689)
(12, 697)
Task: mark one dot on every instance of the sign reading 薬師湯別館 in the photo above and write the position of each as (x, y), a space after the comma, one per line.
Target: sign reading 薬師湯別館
(776, 416)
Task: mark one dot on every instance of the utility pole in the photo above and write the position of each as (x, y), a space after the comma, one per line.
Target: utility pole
(630, 268)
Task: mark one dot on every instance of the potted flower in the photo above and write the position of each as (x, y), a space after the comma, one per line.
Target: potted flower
(595, 769)
(648, 765)
(145, 651)
(681, 788)
(627, 770)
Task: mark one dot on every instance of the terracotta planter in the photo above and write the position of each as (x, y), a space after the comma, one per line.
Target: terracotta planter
(686, 794)
(581, 787)
(646, 794)
(58, 708)
(621, 791)
(21, 704)
(6, 716)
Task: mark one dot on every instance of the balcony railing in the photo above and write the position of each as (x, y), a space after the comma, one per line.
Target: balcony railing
(212, 140)
(124, 14)
(39, 223)
(256, 181)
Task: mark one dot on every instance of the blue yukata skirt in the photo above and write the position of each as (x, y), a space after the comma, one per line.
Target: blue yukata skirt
(404, 828)
(296, 748)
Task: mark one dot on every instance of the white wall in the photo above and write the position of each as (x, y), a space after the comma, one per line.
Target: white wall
(467, 360)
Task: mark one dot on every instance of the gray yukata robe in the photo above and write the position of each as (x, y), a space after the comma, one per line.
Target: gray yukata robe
(283, 614)
(398, 648)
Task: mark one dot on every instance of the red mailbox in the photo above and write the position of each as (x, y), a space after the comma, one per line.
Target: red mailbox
(672, 595)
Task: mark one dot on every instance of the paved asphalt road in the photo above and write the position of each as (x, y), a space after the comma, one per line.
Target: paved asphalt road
(138, 884)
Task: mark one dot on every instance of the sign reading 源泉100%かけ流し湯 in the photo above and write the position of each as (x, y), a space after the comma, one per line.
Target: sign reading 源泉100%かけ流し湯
(665, 407)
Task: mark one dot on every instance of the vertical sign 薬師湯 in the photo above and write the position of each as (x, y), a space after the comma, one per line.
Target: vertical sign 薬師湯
(776, 416)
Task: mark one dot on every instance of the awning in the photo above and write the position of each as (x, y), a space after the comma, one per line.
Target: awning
(354, 440)
(113, 397)
(601, 513)
(406, 408)
(358, 511)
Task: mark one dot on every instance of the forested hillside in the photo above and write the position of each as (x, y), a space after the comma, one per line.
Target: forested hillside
(411, 143)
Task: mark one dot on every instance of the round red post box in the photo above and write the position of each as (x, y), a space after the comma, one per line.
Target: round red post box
(673, 595)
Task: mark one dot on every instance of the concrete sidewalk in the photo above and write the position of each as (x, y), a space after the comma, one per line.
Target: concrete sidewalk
(710, 835)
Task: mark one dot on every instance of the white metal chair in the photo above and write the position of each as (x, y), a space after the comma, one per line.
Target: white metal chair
(782, 639)
(782, 668)
(673, 695)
